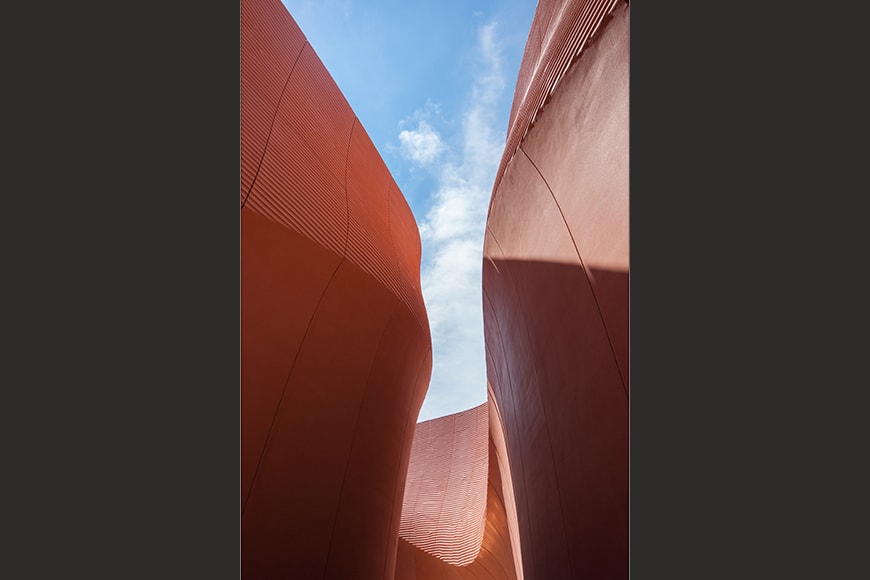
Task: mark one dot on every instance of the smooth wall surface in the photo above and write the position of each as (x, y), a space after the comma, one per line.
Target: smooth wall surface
(555, 293)
(335, 344)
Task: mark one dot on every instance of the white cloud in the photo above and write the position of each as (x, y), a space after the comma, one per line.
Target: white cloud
(453, 233)
(422, 144)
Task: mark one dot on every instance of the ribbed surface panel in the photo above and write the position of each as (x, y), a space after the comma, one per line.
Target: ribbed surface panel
(498, 557)
(270, 44)
(324, 123)
(444, 509)
(407, 254)
(335, 345)
(301, 182)
(555, 294)
(337, 480)
(370, 243)
(559, 32)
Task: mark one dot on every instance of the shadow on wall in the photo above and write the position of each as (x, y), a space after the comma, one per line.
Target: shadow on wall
(557, 361)
(573, 299)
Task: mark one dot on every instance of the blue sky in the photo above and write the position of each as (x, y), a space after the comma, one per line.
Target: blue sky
(432, 83)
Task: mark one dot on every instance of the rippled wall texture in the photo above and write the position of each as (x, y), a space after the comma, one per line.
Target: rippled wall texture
(337, 480)
(335, 344)
(454, 519)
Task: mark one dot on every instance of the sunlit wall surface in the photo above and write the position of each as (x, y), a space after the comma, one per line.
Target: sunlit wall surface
(556, 292)
(335, 344)
(455, 516)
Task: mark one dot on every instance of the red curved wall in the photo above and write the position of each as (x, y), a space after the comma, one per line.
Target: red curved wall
(455, 521)
(444, 505)
(335, 344)
(555, 292)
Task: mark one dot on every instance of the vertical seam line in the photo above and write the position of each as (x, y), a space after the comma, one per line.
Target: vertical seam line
(272, 125)
(286, 382)
(585, 274)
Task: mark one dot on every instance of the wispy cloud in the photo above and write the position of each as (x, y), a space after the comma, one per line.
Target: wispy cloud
(453, 233)
(422, 145)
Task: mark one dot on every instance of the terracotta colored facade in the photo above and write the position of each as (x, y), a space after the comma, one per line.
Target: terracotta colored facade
(556, 292)
(335, 344)
(455, 517)
(444, 506)
(337, 480)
